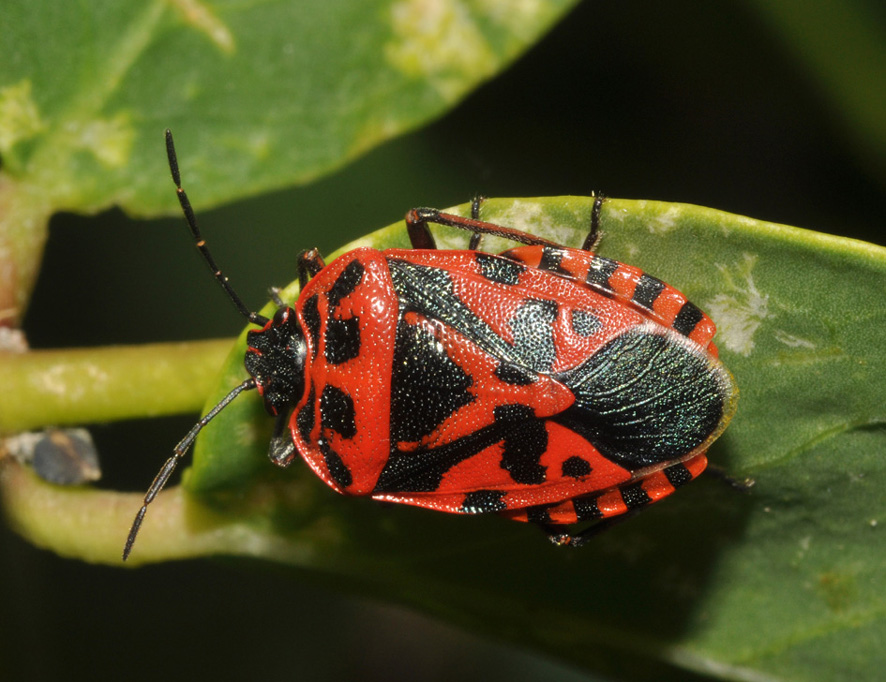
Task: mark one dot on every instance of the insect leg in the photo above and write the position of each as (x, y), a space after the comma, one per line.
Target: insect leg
(559, 537)
(475, 215)
(740, 484)
(420, 236)
(310, 262)
(594, 235)
(282, 449)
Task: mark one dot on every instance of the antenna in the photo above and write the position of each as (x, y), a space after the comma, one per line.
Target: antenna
(162, 477)
(166, 470)
(191, 219)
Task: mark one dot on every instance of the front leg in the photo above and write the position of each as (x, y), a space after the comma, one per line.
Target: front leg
(310, 262)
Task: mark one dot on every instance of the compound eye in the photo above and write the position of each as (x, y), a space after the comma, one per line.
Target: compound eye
(282, 315)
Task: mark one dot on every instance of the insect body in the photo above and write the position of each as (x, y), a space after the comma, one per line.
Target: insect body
(546, 383)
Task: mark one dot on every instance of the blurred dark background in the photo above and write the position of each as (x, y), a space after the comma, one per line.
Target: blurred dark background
(681, 101)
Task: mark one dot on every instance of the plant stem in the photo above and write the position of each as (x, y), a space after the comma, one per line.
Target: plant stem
(81, 386)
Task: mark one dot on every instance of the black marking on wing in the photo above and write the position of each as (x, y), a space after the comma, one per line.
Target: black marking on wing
(634, 496)
(336, 465)
(552, 259)
(526, 441)
(585, 323)
(576, 467)
(538, 514)
(304, 420)
(427, 386)
(429, 291)
(483, 502)
(678, 474)
(515, 375)
(499, 270)
(586, 508)
(533, 329)
(422, 470)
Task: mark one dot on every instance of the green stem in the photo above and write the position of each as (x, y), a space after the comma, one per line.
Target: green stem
(91, 525)
(77, 386)
(24, 218)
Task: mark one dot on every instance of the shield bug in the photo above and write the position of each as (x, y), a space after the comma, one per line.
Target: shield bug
(546, 383)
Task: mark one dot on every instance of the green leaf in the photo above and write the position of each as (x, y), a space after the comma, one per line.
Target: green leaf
(261, 95)
(785, 581)
(266, 94)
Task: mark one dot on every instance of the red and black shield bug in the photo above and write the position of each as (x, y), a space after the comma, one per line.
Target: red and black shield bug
(547, 384)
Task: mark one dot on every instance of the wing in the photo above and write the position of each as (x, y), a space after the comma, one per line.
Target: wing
(648, 397)
(472, 394)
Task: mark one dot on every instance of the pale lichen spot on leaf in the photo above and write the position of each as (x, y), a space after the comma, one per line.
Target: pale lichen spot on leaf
(527, 216)
(450, 238)
(439, 41)
(793, 341)
(372, 132)
(520, 18)
(52, 381)
(740, 309)
(19, 115)
(535, 218)
(257, 144)
(805, 543)
(804, 352)
(607, 214)
(109, 140)
(664, 222)
(198, 15)
(633, 251)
